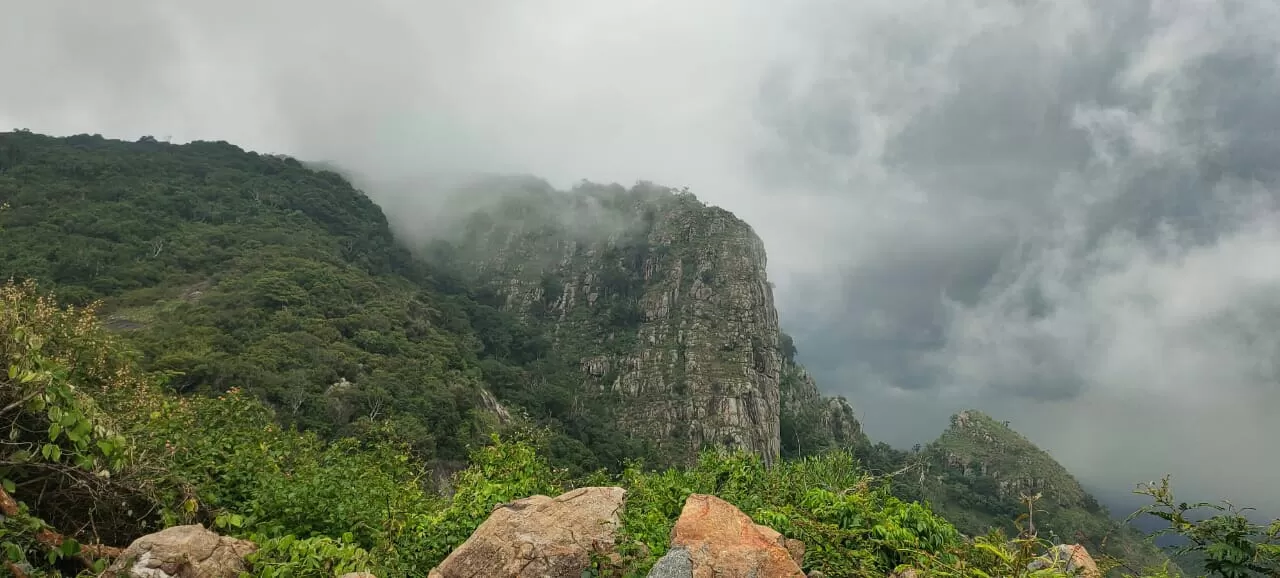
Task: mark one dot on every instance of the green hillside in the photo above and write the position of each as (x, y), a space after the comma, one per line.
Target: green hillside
(225, 267)
(979, 471)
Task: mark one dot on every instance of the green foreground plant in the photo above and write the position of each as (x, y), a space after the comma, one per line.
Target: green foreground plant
(1229, 544)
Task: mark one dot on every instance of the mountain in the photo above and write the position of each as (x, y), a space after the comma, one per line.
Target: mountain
(979, 472)
(225, 267)
(664, 301)
(601, 312)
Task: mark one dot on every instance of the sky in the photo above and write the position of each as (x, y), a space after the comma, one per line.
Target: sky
(1064, 214)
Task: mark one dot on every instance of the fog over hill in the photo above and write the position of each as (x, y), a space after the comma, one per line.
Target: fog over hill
(1062, 213)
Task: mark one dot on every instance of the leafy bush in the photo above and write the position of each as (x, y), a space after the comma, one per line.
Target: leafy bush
(849, 528)
(61, 447)
(321, 557)
(1229, 544)
(504, 471)
(236, 460)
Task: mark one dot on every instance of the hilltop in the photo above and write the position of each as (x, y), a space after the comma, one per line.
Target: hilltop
(979, 471)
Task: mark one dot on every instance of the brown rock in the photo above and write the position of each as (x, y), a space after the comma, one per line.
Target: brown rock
(724, 543)
(1072, 558)
(183, 552)
(1079, 562)
(539, 536)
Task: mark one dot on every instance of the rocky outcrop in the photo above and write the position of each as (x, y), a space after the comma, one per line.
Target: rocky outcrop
(664, 300)
(712, 538)
(182, 552)
(539, 536)
(811, 422)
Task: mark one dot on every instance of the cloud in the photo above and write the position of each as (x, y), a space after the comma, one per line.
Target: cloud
(1061, 212)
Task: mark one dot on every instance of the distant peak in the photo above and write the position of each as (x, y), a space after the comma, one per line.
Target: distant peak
(972, 417)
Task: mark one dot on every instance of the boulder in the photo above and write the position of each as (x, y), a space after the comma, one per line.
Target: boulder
(182, 552)
(722, 542)
(1072, 558)
(676, 563)
(539, 536)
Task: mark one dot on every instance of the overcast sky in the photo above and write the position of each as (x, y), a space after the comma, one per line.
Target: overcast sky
(1063, 213)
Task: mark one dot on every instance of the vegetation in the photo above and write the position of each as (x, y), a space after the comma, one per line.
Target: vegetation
(90, 427)
(977, 473)
(1226, 543)
(232, 339)
(229, 268)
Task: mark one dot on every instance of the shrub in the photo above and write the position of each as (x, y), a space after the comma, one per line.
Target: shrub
(849, 527)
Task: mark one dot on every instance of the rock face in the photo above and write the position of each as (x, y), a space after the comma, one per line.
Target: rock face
(539, 536)
(182, 552)
(664, 300)
(714, 539)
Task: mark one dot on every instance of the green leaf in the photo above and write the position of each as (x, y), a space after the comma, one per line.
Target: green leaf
(9, 486)
(12, 551)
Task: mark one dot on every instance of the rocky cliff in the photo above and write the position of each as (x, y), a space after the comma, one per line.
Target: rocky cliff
(663, 300)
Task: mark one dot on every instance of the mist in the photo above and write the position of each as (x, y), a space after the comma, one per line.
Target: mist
(1061, 213)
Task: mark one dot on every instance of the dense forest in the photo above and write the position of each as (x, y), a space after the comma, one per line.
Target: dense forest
(198, 333)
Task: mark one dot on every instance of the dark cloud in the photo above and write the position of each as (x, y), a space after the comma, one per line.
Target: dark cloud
(1062, 212)
(1057, 210)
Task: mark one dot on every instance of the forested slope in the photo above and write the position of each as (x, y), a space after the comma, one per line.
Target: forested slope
(225, 267)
